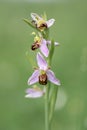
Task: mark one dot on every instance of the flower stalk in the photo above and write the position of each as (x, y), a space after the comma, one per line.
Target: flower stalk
(47, 127)
(43, 73)
(52, 103)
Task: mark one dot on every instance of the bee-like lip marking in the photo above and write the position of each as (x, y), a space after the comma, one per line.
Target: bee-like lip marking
(43, 79)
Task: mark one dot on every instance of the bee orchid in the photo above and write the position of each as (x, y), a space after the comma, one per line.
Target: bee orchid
(40, 43)
(43, 73)
(34, 92)
(40, 22)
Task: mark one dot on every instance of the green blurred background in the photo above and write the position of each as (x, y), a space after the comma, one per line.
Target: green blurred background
(69, 63)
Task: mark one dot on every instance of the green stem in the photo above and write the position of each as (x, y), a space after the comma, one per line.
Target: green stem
(52, 48)
(52, 103)
(47, 108)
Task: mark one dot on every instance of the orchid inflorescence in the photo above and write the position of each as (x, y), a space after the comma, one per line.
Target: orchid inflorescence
(43, 74)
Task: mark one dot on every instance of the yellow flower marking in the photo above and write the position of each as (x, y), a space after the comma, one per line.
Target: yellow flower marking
(33, 33)
(40, 22)
(37, 39)
(42, 72)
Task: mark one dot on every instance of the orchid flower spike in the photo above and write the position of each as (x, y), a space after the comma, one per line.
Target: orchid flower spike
(40, 43)
(43, 73)
(34, 92)
(40, 22)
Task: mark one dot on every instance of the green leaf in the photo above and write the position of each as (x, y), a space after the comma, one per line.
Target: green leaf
(45, 16)
(29, 23)
(51, 52)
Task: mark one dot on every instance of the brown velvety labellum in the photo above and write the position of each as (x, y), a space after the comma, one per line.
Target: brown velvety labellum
(43, 26)
(43, 79)
(35, 46)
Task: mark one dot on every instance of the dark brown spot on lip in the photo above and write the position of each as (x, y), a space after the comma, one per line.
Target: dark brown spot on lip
(43, 26)
(43, 79)
(35, 46)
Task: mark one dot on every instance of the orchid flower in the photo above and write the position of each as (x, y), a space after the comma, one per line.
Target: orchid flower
(40, 43)
(40, 22)
(43, 73)
(34, 92)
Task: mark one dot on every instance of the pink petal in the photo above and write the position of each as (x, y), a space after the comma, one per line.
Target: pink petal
(44, 48)
(34, 93)
(35, 17)
(34, 77)
(52, 78)
(41, 62)
(48, 42)
(50, 22)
